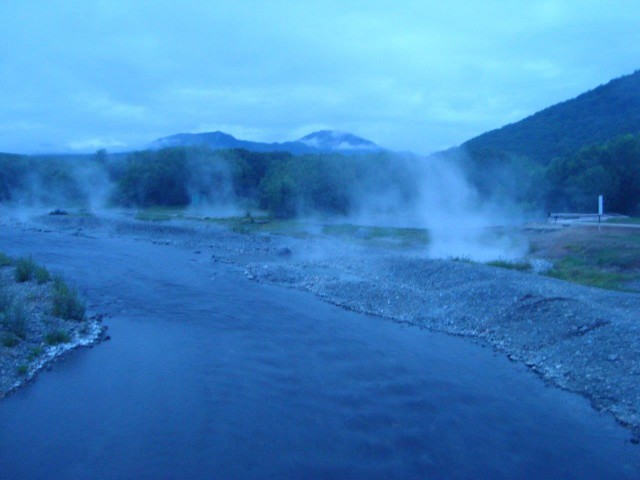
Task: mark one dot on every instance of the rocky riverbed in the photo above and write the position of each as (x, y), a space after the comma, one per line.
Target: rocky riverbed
(581, 339)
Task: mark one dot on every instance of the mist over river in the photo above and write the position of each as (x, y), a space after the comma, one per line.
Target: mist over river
(211, 375)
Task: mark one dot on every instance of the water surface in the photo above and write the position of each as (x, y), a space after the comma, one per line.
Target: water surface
(210, 375)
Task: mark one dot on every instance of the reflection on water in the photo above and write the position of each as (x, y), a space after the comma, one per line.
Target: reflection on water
(209, 375)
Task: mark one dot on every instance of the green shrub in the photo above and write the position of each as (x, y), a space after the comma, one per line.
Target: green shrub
(35, 353)
(14, 320)
(23, 369)
(519, 266)
(42, 275)
(25, 269)
(57, 337)
(5, 260)
(67, 303)
(461, 259)
(5, 302)
(9, 340)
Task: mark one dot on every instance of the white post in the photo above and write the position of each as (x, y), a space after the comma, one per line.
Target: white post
(600, 207)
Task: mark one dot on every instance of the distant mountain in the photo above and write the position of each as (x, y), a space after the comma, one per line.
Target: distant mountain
(212, 139)
(330, 140)
(326, 141)
(594, 117)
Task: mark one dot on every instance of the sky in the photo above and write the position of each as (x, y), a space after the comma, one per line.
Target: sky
(409, 75)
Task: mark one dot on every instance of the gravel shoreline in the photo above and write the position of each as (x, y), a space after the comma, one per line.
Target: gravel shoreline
(584, 340)
(23, 356)
(11, 380)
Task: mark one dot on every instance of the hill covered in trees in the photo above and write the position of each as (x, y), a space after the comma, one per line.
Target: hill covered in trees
(564, 156)
(594, 117)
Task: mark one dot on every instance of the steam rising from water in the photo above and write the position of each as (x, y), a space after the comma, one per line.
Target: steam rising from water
(433, 194)
(460, 223)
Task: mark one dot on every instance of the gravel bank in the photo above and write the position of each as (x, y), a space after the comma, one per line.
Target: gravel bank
(24, 354)
(581, 339)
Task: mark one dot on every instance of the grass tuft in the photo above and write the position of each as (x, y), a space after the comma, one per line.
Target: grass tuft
(35, 353)
(460, 258)
(9, 340)
(25, 269)
(42, 275)
(67, 303)
(57, 337)
(14, 320)
(519, 266)
(5, 260)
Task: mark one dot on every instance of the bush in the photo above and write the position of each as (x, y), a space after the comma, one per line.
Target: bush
(25, 269)
(9, 340)
(519, 266)
(35, 353)
(67, 303)
(23, 369)
(5, 302)
(14, 320)
(42, 275)
(57, 337)
(5, 260)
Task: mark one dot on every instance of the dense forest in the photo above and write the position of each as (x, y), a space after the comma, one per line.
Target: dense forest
(594, 117)
(563, 157)
(286, 185)
(279, 183)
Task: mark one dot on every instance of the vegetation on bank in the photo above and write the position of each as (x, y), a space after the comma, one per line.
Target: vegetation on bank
(521, 266)
(567, 183)
(29, 294)
(625, 221)
(607, 258)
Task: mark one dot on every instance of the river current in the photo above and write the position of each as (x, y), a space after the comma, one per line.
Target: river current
(210, 375)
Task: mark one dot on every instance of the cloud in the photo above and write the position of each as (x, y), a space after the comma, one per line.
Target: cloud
(93, 144)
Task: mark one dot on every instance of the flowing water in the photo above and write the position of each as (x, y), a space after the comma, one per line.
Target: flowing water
(209, 375)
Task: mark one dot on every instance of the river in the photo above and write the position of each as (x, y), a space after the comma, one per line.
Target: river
(211, 375)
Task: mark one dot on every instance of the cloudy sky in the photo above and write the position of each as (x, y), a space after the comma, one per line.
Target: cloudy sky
(409, 75)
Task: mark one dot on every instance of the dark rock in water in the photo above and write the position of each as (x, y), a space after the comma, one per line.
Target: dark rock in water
(284, 252)
(635, 439)
(107, 338)
(57, 211)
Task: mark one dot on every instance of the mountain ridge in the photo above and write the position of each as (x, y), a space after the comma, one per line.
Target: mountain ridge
(323, 141)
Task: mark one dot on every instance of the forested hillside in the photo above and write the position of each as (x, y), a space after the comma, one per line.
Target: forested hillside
(594, 117)
(563, 157)
(611, 169)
